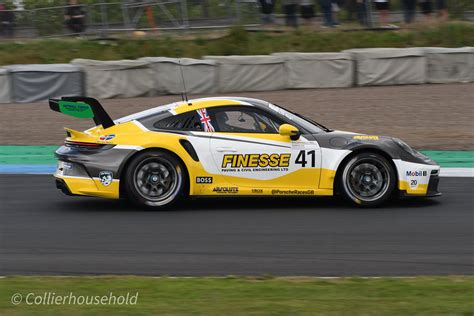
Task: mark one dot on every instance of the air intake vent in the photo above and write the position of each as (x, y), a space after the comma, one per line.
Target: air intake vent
(189, 148)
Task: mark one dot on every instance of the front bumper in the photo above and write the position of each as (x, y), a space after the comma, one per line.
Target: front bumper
(416, 179)
(431, 191)
(433, 187)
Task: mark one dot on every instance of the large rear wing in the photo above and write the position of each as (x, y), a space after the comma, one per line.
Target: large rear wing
(82, 107)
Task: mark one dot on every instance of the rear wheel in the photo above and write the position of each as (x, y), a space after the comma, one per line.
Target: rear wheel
(154, 179)
(367, 179)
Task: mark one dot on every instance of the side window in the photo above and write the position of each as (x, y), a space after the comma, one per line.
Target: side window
(268, 125)
(186, 122)
(235, 120)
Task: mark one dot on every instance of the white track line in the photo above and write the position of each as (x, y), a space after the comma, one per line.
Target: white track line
(457, 172)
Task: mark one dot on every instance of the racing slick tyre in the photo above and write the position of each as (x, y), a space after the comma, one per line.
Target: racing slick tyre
(367, 179)
(154, 179)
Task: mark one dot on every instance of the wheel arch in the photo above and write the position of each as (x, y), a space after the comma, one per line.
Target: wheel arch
(129, 159)
(355, 152)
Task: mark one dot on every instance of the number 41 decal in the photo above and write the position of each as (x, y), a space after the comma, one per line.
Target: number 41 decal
(301, 158)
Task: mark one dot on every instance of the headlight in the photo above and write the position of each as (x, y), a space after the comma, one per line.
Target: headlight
(410, 150)
(405, 146)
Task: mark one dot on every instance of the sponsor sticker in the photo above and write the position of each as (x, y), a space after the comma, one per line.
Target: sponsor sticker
(226, 190)
(292, 192)
(255, 160)
(107, 137)
(301, 145)
(417, 173)
(76, 109)
(106, 177)
(204, 180)
(366, 137)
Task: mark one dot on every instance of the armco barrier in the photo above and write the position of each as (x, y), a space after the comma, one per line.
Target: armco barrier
(250, 73)
(200, 75)
(318, 70)
(389, 66)
(445, 65)
(117, 79)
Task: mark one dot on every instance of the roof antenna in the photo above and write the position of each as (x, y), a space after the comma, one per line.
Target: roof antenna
(184, 95)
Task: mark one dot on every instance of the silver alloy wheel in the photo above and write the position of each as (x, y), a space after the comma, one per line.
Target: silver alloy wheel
(367, 179)
(157, 180)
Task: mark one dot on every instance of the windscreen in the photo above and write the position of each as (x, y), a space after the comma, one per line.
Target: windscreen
(307, 124)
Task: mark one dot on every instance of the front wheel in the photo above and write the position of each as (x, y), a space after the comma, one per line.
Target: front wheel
(154, 179)
(367, 179)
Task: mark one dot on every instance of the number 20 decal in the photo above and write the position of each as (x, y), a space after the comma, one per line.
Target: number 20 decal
(302, 157)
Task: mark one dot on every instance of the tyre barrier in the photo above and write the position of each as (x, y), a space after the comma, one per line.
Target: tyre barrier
(150, 76)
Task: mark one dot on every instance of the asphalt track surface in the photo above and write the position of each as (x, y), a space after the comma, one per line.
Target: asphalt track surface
(44, 232)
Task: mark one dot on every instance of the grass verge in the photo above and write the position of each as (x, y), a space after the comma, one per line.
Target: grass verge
(248, 296)
(236, 42)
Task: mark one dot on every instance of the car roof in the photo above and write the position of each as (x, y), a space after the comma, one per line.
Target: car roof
(180, 107)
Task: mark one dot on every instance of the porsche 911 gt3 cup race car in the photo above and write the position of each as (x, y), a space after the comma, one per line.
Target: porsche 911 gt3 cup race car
(231, 146)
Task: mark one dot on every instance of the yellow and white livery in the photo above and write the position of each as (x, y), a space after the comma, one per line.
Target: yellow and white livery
(231, 146)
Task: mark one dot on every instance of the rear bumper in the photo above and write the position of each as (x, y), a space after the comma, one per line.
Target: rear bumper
(62, 186)
(73, 179)
(94, 172)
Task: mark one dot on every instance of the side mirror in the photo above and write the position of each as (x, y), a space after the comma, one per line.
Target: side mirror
(289, 130)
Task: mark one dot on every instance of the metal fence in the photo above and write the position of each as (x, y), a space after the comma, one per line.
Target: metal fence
(110, 17)
(102, 18)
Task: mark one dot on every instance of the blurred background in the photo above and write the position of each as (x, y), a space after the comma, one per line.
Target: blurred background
(284, 51)
(48, 18)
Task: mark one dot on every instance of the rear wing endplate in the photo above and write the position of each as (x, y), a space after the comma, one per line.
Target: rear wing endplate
(82, 107)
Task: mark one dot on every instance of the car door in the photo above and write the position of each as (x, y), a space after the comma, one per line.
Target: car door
(248, 151)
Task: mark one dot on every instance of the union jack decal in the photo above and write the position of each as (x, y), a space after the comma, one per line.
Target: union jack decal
(205, 120)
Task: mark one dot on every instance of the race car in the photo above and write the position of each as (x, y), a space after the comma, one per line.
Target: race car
(231, 146)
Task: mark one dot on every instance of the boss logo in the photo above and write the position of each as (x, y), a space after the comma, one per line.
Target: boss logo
(203, 179)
